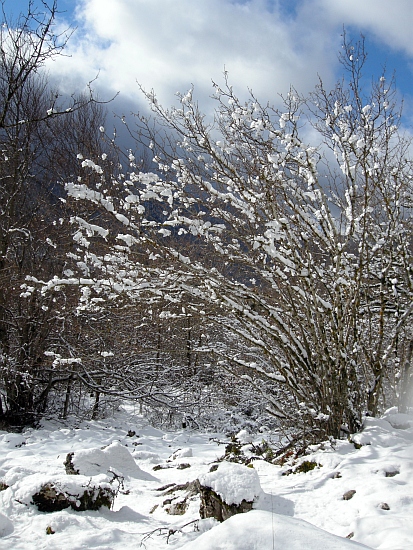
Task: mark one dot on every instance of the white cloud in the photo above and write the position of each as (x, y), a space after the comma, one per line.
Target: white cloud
(391, 21)
(167, 45)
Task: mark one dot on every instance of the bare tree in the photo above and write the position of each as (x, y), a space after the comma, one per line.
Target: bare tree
(34, 158)
(25, 46)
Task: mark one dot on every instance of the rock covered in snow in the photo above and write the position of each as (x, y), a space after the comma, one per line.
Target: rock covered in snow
(113, 458)
(54, 498)
(58, 492)
(229, 490)
(149, 456)
(398, 420)
(233, 482)
(243, 437)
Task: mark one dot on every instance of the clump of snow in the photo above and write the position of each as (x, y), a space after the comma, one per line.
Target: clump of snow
(398, 420)
(151, 457)
(186, 452)
(115, 458)
(244, 437)
(259, 530)
(233, 482)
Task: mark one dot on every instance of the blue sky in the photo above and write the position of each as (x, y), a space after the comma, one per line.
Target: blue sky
(265, 45)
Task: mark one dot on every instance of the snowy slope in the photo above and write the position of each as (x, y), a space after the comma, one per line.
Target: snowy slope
(379, 514)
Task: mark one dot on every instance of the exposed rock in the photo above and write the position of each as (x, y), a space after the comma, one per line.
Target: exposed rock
(212, 506)
(384, 506)
(178, 508)
(160, 467)
(392, 473)
(69, 467)
(48, 499)
(349, 494)
(177, 504)
(183, 466)
(165, 487)
(52, 499)
(192, 488)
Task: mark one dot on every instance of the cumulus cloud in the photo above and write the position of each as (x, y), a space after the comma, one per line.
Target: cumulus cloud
(167, 45)
(390, 22)
(265, 45)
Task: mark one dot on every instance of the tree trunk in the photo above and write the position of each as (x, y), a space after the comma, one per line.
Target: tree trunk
(407, 381)
(67, 397)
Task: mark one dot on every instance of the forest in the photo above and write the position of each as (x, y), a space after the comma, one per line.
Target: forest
(254, 267)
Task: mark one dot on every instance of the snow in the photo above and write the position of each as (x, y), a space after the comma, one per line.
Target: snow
(291, 510)
(6, 526)
(22, 490)
(243, 436)
(233, 482)
(240, 533)
(182, 453)
(114, 458)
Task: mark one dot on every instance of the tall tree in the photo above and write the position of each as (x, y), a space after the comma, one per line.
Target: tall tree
(32, 240)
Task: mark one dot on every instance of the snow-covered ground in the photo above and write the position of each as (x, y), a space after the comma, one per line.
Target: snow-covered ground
(295, 511)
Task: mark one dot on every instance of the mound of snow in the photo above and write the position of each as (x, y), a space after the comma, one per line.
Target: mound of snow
(398, 420)
(233, 482)
(150, 456)
(186, 452)
(6, 526)
(115, 457)
(259, 530)
(15, 473)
